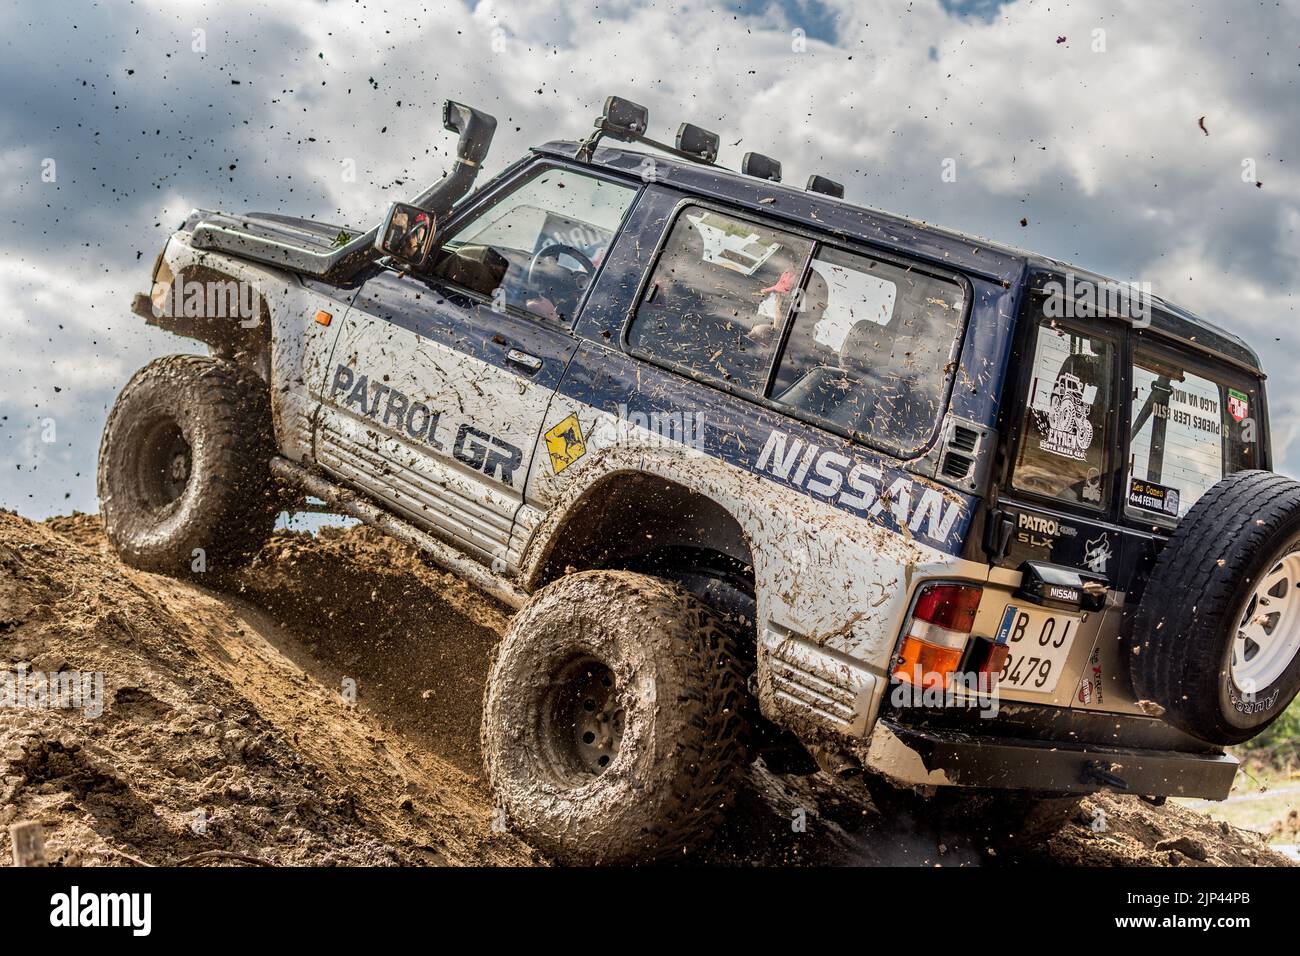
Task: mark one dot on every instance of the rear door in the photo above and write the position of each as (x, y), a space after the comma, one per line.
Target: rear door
(1118, 433)
(1060, 499)
(1062, 487)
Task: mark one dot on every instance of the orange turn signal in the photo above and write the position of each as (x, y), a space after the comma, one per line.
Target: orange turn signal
(323, 317)
(926, 664)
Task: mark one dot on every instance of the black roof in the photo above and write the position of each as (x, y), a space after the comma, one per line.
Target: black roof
(944, 247)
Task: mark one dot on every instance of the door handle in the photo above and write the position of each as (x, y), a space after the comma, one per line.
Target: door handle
(523, 359)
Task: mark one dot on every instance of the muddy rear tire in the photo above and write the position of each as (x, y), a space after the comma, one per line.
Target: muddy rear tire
(184, 467)
(613, 724)
(1216, 642)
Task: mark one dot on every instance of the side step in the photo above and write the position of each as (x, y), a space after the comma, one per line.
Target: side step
(443, 555)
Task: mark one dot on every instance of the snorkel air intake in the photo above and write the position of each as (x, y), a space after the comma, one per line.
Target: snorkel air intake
(245, 238)
(476, 131)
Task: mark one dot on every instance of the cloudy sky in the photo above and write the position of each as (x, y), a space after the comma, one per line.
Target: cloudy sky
(118, 117)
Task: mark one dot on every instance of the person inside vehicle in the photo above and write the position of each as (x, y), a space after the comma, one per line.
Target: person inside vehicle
(416, 235)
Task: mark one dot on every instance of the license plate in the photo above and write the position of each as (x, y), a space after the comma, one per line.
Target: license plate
(1038, 643)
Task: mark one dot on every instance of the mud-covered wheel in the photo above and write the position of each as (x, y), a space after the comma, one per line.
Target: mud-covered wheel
(184, 479)
(1216, 641)
(613, 727)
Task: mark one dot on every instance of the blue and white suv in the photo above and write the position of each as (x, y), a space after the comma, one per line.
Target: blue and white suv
(764, 472)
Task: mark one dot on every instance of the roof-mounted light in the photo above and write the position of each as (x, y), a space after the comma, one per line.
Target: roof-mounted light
(627, 121)
(697, 142)
(764, 167)
(623, 119)
(820, 184)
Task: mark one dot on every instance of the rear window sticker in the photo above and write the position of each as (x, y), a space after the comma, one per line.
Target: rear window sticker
(1066, 427)
(1153, 497)
(1238, 404)
(1194, 411)
(1092, 486)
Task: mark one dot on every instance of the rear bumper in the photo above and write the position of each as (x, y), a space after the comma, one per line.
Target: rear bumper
(930, 757)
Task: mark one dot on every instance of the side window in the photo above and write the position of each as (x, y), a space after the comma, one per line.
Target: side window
(718, 296)
(537, 248)
(1065, 435)
(869, 349)
(1187, 432)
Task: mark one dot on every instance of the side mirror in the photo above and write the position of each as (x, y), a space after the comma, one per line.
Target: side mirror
(407, 233)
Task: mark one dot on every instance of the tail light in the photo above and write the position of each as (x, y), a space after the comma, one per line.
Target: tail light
(937, 633)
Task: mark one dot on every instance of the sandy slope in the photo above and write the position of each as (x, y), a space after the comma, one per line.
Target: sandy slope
(225, 726)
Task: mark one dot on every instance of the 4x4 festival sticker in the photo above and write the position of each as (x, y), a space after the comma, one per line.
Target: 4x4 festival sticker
(1153, 497)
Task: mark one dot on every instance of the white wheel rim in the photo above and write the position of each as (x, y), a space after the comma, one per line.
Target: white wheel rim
(1268, 635)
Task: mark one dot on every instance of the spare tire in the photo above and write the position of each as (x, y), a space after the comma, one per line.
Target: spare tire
(1216, 640)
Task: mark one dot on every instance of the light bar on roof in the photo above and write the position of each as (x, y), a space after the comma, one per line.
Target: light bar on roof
(623, 119)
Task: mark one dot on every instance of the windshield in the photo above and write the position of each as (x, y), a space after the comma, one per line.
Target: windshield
(1190, 427)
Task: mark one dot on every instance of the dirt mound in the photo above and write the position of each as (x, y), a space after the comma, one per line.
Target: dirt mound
(322, 706)
(203, 735)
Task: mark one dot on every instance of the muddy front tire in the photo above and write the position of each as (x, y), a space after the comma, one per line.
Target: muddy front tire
(184, 480)
(613, 725)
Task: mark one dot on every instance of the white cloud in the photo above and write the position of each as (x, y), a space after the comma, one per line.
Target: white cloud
(1099, 151)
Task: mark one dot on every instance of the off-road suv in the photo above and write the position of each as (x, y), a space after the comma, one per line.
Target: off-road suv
(765, 473)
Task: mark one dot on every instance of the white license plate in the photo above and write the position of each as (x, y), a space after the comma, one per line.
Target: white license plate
(1038, 643)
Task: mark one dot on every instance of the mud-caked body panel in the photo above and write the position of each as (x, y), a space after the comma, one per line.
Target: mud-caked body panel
(835, 551)
(296, 324)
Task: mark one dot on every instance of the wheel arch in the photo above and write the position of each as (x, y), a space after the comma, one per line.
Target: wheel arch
(631, 518)
(229, 336)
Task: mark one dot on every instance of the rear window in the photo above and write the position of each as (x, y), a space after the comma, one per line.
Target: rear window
(1065, 446)
(1190, 427)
